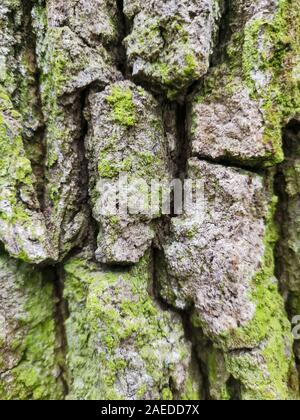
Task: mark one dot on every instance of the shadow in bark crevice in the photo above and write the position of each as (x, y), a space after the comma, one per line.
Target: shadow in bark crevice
(288, 220)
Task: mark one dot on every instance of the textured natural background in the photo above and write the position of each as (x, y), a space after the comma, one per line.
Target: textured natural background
(149, 307)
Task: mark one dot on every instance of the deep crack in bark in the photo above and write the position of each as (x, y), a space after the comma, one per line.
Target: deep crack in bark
(189, 330)
(60, 316)
(35, 144)
(123, 32)
(285, 217)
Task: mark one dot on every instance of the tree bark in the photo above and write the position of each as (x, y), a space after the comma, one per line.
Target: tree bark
(198, 304)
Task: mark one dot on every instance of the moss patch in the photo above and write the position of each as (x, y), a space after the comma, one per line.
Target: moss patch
(263, 56)
(259, 355)
(116, 330)
(30, 335)
(124, 109)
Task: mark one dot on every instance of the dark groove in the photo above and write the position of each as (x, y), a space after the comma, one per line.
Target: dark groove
(280, 184)
(61, 315)
(28, 44)
(282, 211)
(224, 34)
(155, 287)
(194, 335)
(93, 229)
(185, 315)
(232, 164)
(234, 389)
(183, 145)
(280, 191)
(122, 64)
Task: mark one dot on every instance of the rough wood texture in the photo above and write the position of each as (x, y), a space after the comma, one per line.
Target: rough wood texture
(149, 305)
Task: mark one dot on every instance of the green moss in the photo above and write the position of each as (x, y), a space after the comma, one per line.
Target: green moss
(281, 94)
(217, 375)
(55, 63)
(16, 174)
(169, 76)
(31, 336)
(105, 168)
(268, 373)
(265, 372)
(166, 53)
(113, 317)
(165, 72)
(111, 169)
(54, 195)
(264, 58)
(136, 163)
(264, 293)
(28, 102)
(192, 390)
(143, 38)
(4, 99)
(167, 394)
(191, 66)
(124, 109)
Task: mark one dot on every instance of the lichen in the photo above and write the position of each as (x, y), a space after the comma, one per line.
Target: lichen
(124, 109)
(262, 56)
(266, 370)
(17, 179)
(278, 62)
(115, 329)
(31, 371)
(217, 375)
(162, 48)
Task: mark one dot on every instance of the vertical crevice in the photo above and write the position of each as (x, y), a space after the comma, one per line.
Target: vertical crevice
(234, 389)
(179, 112)
(282, 208)
(185, 315)
(93, 229)
(224, 34)
(122, 64)
(33, 136)
(84, 164)
(196, 337)
(61, 314)
(157, 261)
(183, 146)
(287, 217)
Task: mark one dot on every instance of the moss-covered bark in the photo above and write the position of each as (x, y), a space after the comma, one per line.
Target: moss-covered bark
(29, 366)
(140, 306)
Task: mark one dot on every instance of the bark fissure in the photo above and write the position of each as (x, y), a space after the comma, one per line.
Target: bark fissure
(234, 389)
(224, 34)
(60, 316)
(231, 164)
(182, 139)
(185, 316)
(93, 229)
(287, 264)
(34, 137)
(123, 32)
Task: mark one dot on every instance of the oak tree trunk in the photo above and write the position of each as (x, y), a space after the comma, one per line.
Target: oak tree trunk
(136, 306)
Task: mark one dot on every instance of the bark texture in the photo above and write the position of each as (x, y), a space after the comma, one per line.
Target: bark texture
(149, 306)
